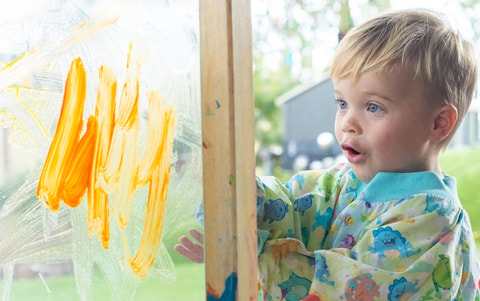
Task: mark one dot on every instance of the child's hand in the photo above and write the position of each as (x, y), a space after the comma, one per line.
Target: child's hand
(190, 249)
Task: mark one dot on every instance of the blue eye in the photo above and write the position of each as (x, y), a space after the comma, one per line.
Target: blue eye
(342, 104)
(373, 108)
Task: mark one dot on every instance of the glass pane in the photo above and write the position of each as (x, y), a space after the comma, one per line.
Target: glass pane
(100, 149)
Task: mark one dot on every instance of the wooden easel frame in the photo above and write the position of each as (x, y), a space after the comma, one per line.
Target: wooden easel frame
(228, 150)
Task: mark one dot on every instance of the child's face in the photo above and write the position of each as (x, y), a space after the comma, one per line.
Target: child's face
(383, 124)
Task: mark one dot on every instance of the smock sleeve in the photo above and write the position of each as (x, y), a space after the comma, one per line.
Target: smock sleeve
(293, 221)
(301, 209)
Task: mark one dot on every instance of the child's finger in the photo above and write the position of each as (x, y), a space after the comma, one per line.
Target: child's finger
(194, 255)
(186, 242)
(184, 252)
(194, 248)
(196, 235)
(181, 250)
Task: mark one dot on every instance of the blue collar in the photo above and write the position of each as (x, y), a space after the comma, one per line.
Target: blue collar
(387, 186)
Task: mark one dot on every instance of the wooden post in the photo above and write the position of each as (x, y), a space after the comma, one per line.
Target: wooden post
(228, 150)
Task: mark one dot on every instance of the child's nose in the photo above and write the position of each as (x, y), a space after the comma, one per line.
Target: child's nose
(350, 123)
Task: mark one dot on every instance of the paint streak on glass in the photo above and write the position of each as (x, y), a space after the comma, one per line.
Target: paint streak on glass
(103, 161)
(98, 221)
(155, 169)
(69, 128)
(120, 171)
(78, 176)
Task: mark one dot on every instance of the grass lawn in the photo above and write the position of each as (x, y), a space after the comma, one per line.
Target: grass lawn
(190, 285)
(464, 164)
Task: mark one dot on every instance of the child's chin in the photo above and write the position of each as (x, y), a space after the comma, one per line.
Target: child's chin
(363, 175)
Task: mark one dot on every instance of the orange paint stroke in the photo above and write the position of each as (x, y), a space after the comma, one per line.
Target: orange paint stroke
(78, 176)
(98, 221)
(69, 127)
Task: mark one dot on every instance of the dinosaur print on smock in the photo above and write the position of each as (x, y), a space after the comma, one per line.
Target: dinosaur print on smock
(390, 243)
(442, 275)
(303, 203)
(295, 288)
(275, 211)
(361, 288)
(322, 274)
(401, 289)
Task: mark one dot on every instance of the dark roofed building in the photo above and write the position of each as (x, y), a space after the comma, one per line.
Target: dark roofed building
(308, 111)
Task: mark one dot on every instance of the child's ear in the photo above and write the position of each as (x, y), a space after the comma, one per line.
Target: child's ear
(445, 118)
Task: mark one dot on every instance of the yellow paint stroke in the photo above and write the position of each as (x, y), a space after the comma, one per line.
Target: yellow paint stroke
(128, 107)
(120, 172)
(155, 135)
(14, 61)
(104, 161)
(159, 179)
(69, 128)
(29, 110)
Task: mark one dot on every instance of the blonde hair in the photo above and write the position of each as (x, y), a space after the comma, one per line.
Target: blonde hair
(423, 44)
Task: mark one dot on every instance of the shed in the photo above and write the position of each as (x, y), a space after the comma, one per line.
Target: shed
(308, 111)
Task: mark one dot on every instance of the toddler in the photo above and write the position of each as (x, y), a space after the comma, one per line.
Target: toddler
(388, 224)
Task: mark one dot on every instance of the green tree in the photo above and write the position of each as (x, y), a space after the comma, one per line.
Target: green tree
(285, 34)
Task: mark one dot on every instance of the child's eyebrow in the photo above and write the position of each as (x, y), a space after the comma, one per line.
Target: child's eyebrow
(338, 94)
(380, 96)
(336, 91)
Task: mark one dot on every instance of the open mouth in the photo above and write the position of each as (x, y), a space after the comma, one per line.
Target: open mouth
(353, 155)
(352, 151)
